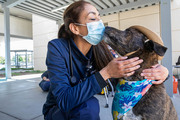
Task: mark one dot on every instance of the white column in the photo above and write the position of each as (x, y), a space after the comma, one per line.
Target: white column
(7, 42)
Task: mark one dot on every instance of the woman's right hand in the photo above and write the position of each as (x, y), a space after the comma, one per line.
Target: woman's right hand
(120, 67)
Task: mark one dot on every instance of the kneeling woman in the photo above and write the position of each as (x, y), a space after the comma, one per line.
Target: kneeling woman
(73, 70)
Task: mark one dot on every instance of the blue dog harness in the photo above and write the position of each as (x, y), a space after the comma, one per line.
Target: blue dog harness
(127, 95)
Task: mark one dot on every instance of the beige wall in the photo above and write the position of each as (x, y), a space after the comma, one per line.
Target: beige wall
(18, 26)
(44, 30)
(112, 20)
(148, 17)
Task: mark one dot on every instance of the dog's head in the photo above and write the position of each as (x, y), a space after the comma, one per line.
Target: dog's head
(132, 41)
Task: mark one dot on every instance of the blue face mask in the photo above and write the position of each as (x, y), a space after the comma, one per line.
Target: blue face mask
(95, 32)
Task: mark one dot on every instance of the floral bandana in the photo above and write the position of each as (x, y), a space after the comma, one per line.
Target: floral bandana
(127, 95)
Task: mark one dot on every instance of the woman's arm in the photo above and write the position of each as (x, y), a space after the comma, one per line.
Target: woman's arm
(157, 72)
(66, 96)
(120, 67)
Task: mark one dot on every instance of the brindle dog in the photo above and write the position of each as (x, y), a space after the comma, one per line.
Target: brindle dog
(155, 104)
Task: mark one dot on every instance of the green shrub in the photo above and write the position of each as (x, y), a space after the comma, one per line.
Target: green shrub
(2, 60)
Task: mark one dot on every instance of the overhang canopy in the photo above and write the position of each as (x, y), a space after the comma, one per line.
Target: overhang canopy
(53, 9)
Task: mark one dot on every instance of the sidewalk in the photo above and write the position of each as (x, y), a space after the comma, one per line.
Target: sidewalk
(22, 99)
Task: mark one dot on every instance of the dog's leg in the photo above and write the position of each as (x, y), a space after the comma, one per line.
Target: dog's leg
(171, 113)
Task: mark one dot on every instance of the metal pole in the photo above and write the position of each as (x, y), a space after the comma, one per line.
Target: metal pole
(165, 12)
(18, 61)
(26, 59)
(15, 60)
(32, 59)
(7, 42)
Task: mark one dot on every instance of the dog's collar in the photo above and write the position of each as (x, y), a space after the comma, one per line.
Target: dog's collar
(127, 95)
(128, 54)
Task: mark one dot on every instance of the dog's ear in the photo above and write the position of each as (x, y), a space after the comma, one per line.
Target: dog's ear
(153, 46)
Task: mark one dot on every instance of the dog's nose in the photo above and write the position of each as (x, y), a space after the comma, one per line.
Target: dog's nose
(108, 30)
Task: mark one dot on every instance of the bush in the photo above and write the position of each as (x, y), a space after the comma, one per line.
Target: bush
(20, 59)
(2, 60)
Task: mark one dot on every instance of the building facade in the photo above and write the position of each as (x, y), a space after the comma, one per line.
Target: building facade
(45, 30)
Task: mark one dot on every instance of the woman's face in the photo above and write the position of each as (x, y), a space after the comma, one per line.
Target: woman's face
(89, 14)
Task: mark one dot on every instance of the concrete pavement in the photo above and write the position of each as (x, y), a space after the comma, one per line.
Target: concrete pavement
(22, 99)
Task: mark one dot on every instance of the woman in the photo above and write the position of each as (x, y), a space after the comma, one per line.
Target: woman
(75, 73)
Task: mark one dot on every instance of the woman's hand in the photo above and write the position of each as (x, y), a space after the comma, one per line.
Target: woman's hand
(44, 78)
(157, 72)
(120, 67)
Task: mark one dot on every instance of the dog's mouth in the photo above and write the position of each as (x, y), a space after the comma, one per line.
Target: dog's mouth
(109, 39)
(120, 42)
(108, 42)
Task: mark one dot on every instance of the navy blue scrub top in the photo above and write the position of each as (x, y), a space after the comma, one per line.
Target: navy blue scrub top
(45, 74)
(62, 93)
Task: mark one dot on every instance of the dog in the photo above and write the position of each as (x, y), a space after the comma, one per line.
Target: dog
(138, 41)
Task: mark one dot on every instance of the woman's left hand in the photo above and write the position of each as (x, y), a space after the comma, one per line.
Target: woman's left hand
(157, 72)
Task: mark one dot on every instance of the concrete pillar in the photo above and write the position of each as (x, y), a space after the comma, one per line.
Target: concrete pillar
(165, 21)
(7, 42)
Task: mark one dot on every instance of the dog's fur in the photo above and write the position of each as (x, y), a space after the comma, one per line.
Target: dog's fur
(155, 104)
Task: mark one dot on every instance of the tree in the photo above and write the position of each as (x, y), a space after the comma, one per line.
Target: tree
(20, 59)
(2, 60)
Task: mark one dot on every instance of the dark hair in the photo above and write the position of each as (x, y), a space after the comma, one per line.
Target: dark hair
(71, 15)
(101, 53)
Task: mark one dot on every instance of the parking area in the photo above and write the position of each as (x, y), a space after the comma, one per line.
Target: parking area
(22, 99)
